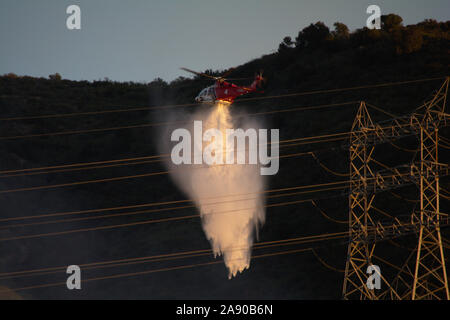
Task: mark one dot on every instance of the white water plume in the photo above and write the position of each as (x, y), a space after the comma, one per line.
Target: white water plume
(228, 196)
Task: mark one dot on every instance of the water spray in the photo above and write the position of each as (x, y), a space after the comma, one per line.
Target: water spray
(230, 217)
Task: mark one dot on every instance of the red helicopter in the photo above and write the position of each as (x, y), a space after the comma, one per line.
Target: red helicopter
(224, 91)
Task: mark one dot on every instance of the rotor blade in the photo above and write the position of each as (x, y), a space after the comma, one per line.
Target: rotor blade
(198, 73)
(235, 79)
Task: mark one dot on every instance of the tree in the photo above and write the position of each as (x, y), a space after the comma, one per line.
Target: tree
(55, 77)
(11, 75)
(313, 35)
(286, 44)
(429, 24)
(340, 31)
(366, 37)
(390, 22)
(411, 40)
(158, 83)
(180, 80)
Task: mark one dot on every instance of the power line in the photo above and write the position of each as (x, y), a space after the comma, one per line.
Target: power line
(77, 183)
(185, 217)
(153, 204)
(403, 198)
(163, 209)
(188, 254)
(386, 84)
(382, 110)
(158, 173)
(154, 158)
(401, 148)
(156, 124)
(328, 169)
(170, 256)
(327, 216)
(5, 172)
(36, 172)
(142, 162)
(130, 224)
(322, 237)
(328, 266)
(82, 164)
(134, 108)
(155, 270)
(83, 182)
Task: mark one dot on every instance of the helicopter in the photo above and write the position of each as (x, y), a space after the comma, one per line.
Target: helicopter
(223, 91)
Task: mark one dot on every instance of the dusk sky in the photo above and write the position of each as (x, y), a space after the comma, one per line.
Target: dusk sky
(140, 40)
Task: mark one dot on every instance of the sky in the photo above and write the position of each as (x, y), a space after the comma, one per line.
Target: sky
(140, 40)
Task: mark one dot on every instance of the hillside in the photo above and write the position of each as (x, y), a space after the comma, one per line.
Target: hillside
(318, 59)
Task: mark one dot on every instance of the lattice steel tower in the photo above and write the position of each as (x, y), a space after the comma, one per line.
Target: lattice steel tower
(426, 277)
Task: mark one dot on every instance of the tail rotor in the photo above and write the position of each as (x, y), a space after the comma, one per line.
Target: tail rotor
(260, 79)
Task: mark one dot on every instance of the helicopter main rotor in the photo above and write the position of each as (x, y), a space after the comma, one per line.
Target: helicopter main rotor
(217, 78)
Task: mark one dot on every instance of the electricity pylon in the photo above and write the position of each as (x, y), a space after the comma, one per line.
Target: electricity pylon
(360, 250)
(430, 275)
(428, 279)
